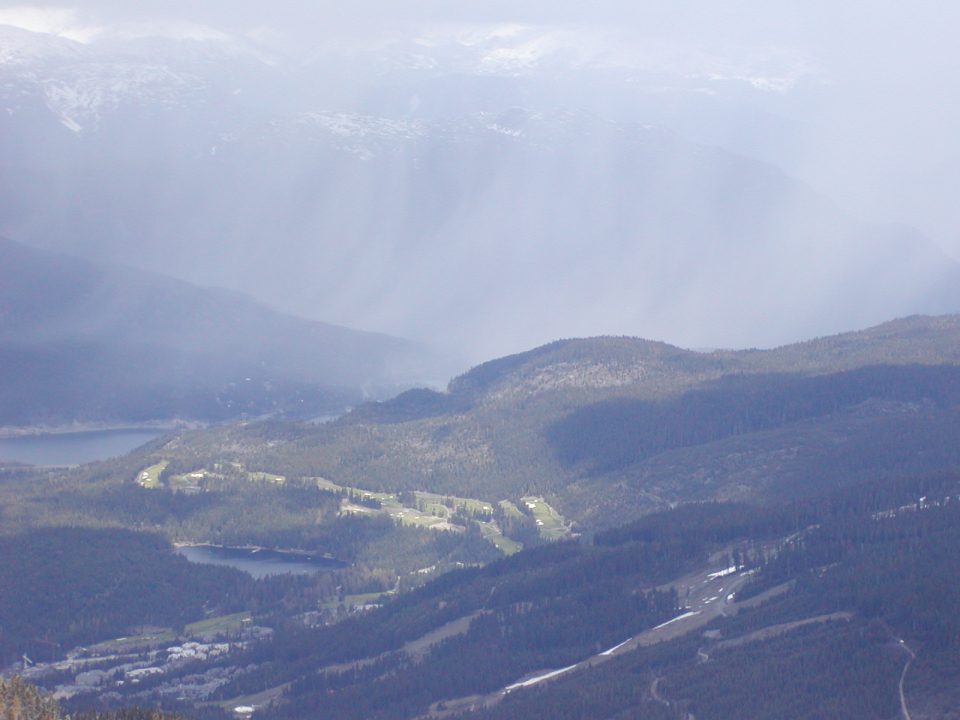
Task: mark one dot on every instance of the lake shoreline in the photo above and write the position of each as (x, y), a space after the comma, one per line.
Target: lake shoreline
(12, 432)
(259, 548)
(259, 562)
(69, 449)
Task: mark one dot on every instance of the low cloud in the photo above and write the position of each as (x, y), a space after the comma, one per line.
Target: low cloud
(384, 171)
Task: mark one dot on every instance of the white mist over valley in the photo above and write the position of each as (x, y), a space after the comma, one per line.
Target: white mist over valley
(486, 178)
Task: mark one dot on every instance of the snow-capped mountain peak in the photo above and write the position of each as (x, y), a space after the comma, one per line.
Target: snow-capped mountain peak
(23, 48)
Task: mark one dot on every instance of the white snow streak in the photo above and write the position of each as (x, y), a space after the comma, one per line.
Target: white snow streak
(538, 678)
(678, 617)
(723, 573)
(616, 647)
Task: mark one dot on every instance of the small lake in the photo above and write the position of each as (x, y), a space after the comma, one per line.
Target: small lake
(259, 562)
(73, 448)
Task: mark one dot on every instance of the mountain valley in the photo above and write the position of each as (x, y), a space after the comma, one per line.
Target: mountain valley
(479, 361)
(83, 343)
(640, 514)
(363, 205)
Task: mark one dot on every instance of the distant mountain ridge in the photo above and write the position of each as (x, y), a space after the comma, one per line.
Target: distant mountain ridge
(651, 368)
(611, 428)
(88, 342)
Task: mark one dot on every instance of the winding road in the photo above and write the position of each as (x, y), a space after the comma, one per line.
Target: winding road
(903, 676)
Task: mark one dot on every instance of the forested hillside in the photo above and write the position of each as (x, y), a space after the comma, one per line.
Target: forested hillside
(759, 534)
(66, 587)
(851, 607)
(832, 597)
(86, 558)
(610, 428)
(81, 342)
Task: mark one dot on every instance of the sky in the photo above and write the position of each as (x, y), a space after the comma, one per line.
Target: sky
(851, 32)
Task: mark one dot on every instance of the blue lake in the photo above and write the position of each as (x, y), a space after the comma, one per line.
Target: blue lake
(259, 562)
(73, 448)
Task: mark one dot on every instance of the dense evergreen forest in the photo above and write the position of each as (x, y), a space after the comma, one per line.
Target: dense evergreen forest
(864, 580)
(232, 510)
(862, 558)
(841, 579)
(22, 701)
(542, 608)
(614, 434)
(65, 587)
(71, 586)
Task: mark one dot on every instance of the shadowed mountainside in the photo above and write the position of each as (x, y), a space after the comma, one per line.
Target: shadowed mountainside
(610, 428)
(87, 342)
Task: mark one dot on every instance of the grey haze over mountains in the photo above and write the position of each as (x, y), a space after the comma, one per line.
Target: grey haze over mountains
(479, 185)
(88, 343)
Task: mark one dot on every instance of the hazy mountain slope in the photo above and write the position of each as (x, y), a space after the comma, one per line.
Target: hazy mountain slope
(610, 428)
(915, 339)
(492, 227)
(487, 435)
(85, 342)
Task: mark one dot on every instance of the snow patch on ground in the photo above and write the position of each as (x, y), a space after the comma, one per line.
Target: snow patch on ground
(723, 573)
(538, 678)
(678, 617)
(612, 650)
(81, 95)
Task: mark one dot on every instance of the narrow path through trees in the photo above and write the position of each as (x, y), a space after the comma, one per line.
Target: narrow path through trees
(903, 677)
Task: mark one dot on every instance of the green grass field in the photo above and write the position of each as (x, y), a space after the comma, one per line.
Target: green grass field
(451, 503)
(504, 544)
(187, 481)
(359, 600)
(125, 644)
(429, 510)
(325, 484)
(266, 477)
(222, 624)
(415, 518)
(150, 477)
(549, 521)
